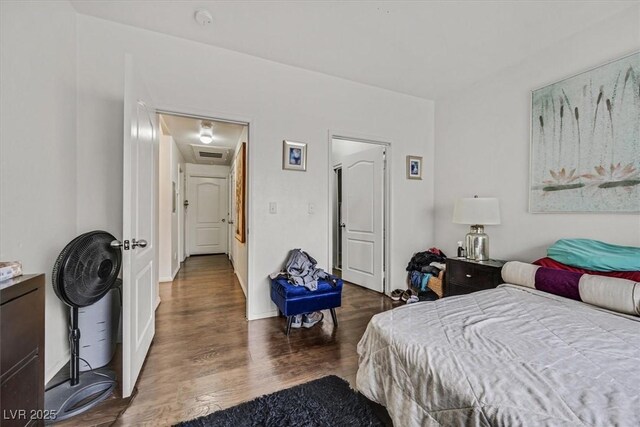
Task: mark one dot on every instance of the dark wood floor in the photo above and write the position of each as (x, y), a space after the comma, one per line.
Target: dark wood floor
(205, 356)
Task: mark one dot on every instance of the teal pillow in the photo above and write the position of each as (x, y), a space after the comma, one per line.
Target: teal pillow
(595, 255)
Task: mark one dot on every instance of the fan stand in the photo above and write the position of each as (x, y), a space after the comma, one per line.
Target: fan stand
(82, 391)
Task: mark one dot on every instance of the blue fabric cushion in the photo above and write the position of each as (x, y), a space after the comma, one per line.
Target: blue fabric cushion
(595, 255)
(286, 289)
(292, 300)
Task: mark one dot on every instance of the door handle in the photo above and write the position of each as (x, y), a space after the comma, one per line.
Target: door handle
(117, 244)
(343, 225)
(135, 243)
(231, 223)
(224, 220)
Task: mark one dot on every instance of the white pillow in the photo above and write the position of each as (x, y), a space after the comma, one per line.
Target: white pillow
(612, 293)
(520, 273)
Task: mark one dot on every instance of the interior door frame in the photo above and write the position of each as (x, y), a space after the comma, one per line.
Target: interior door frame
(386, 233)
(336, 233)
(195, 113)
(180, 212)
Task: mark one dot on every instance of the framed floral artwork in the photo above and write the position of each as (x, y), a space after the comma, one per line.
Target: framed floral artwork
(585, 139)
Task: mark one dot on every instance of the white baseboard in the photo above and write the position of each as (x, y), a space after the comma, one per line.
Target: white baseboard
(242, 284)
(56, 368)
(164, 279)
(158, 300)
(264, 315)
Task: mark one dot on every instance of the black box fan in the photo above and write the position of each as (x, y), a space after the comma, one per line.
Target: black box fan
(86, 269)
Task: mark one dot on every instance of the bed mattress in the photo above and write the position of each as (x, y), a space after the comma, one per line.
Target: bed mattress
(503, 357)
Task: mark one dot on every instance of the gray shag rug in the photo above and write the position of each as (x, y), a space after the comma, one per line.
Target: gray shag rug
(328, 401)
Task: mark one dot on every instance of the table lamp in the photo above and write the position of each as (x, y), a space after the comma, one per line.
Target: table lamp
(477, 212)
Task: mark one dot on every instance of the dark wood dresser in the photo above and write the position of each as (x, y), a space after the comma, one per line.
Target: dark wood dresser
(464, 276)
(22, 351)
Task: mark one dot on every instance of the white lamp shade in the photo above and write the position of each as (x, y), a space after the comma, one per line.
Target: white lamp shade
(477, 210)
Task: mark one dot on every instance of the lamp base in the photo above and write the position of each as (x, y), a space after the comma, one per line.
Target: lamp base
(477, 244)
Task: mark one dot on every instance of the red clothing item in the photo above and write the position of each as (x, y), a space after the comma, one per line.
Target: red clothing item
(550, 263)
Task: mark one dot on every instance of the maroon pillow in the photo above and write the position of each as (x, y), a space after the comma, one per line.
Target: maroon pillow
(550, 263)
(559, 282)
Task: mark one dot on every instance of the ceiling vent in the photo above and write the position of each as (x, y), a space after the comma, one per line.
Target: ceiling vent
(211, 155)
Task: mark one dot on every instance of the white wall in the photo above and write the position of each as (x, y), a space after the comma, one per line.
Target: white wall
(170, 161)
(482, 135)
(239, 251)
(38, 148)
(280, 102)
(216, 171)
(164, 209)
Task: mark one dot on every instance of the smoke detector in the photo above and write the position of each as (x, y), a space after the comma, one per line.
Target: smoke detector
(203, 17)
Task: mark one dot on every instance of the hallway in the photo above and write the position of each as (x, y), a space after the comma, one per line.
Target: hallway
(205, 356)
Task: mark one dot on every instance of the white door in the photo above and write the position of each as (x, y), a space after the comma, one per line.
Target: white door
(207, 215)
(140, 225)
(362, 218)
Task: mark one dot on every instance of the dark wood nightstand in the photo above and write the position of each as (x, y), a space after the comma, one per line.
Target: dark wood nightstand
(464, 276)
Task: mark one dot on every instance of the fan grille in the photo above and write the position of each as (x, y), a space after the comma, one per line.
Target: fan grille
(86, 269)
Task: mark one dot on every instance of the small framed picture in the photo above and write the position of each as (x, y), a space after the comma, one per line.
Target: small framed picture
(414, 167)
(294, 156)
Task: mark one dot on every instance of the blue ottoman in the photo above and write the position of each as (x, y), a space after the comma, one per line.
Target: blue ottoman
(293, 300)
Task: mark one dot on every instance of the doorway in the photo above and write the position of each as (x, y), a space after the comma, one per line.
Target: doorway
(337, 219)
(179, 204)
(203, 152)
(358, 203)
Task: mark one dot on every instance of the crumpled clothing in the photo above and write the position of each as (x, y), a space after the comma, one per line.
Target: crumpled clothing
(422, 259)
(301, 270)
(431, 270)
(419, 280)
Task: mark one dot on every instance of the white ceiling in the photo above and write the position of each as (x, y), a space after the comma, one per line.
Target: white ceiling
(186, 132)
(421, 48)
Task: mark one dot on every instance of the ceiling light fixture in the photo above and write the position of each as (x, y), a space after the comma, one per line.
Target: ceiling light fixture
(206, 132)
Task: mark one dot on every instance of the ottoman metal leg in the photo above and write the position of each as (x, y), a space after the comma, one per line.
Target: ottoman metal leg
(334, 317)
(289, 321)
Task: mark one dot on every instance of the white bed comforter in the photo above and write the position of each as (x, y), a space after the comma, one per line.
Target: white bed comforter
(509, 356)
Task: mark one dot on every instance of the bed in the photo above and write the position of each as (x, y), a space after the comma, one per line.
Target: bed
(510, 356)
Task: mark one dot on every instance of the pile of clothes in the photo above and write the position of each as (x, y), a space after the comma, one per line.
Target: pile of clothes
(423, 266)
(300, 270)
